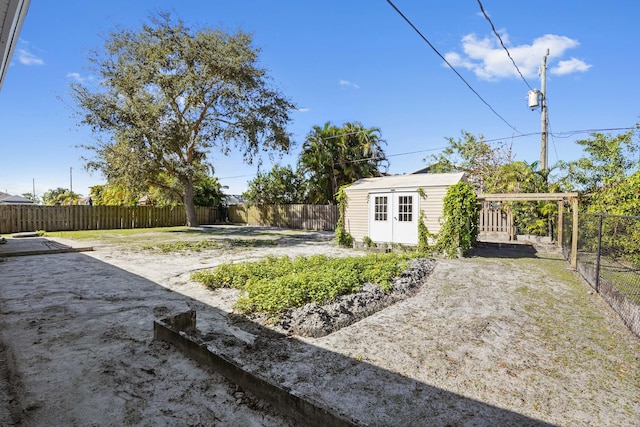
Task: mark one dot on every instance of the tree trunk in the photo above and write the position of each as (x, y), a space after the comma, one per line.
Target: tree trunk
(189, 207)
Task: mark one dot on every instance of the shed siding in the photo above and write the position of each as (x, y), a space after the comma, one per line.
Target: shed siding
(432, 207)
(357, 214)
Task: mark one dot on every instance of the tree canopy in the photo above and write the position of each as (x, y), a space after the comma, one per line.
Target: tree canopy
(113, 195)
(281, 185)
(471, 154)
(623, 198)
(608, 160)
(332, 157)
(60, 196)
(170, 94)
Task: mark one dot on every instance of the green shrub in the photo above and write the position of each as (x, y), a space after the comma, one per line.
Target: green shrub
(342, 237)
(459, 229)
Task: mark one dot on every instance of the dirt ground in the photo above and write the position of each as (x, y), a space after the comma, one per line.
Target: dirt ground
(498, 338)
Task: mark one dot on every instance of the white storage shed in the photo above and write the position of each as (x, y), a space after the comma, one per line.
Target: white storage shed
(387, 209)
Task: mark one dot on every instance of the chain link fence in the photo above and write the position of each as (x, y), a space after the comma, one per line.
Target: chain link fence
(609, 259)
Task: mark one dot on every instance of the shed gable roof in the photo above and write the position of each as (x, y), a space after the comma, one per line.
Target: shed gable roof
(409, 182)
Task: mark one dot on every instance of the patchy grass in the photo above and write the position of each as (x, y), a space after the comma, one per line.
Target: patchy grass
(182, 246)
(181, 239)
(251, 243)
(578, 338)
(177, 239)
(274, 285)
(113, 236)
(199, 245)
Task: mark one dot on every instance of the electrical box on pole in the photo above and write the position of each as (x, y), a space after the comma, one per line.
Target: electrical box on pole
(534, 99)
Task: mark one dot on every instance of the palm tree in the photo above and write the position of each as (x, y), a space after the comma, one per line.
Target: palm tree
(317, 162)
(332, 157)
(364, 153)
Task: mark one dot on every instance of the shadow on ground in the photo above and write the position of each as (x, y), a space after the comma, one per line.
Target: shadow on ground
(504, 250)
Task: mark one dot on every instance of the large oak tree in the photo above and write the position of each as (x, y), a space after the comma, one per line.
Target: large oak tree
(168, 95)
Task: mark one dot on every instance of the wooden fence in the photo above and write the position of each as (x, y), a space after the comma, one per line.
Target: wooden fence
(494, 222)
(18, 218)
(297, 217)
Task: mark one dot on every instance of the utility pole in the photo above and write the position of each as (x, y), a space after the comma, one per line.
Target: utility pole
(545, 114)
(70, 181)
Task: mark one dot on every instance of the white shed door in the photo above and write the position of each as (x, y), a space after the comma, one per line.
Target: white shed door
(380, 215)
(405, 218)
(393, 217)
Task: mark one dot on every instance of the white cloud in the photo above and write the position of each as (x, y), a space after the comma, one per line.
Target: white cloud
(348, 83)
(304, 110)
(488, 60)
(572, 65)
(27, 58)
(78, 78)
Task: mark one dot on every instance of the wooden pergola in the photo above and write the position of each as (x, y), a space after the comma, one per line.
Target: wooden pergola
(546, 197)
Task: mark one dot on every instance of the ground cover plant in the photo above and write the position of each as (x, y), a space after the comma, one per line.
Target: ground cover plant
(276, 284)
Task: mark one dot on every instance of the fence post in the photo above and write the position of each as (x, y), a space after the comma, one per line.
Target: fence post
(560, 227)
(598, 252)
(574, 234)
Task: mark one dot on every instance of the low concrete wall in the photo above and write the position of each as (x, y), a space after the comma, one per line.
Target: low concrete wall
(175, 330)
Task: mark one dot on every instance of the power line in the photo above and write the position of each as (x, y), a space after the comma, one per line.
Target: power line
(396, 155)
(563, 134)
(502, 43)
(450, 66)
(237, 176)
(570, 133)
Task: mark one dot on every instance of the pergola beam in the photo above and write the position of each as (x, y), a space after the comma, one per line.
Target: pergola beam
(529, 197)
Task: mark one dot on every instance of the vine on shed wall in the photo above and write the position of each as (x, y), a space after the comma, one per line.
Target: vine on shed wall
(342, 236)
(459, 231)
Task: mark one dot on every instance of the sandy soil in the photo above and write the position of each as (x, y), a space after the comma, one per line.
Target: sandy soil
(486, 340)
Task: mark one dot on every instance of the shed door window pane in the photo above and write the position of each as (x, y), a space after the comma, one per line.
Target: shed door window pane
(380, 213)
(405, 208)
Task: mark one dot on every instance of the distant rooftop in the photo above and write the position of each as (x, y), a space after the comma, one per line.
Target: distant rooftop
(8, 199)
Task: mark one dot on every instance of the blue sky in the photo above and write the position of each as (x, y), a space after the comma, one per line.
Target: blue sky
(342, 61)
